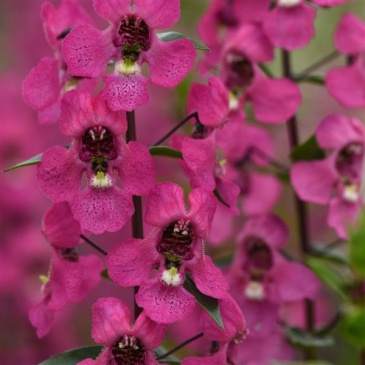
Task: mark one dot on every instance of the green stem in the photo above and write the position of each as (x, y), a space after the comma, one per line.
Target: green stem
(301, 208)
(137, 218)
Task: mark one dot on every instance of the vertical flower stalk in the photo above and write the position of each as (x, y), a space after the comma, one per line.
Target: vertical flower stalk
(301, 208)
(137, 219)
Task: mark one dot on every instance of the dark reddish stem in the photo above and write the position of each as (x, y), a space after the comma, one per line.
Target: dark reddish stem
(300, 206)
(137, 218)
(93, 244)
(191, 339)
(179, 125)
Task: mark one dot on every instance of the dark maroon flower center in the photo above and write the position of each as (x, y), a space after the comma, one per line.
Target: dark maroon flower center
(259, 258)
(98, 147)
(200, 131)
(69, 254)
(176, 241)
(133, 37)
(349, 161)
(128, 350)
(240, 72)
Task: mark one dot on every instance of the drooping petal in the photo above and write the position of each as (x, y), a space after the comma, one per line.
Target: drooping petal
(229, 193)
(42, 87)
(149, 331)
(158, 14)
(341, 215)
(87, 51)
(202, 208)
(59, 174)
(60, 227)
(294, 281)
(163, 303)
(211, 102)
(274, 100)
(125, 92)
(111, 319)
(208, 278)
(314, 180)
(42, 318)
(112, 10)
(337, 130)
(347, 85)
(350, 35)
(131, 262)
(136, 170)
(169, 62)
(290, 27)
(165, 205)
(200, 158)
(100, 210)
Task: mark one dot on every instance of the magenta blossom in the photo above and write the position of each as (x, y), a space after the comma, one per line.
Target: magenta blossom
(125, 344)
(174, 249)
(339, 173)
(273, 100)
(46, 83)
(347, 84)
(130, 40)
(99, 150)
(71, 277)
(261, 279)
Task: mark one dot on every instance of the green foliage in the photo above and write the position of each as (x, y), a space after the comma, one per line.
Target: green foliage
(172, 36)
(74, 356)
(329, 254)
(301, 338)
(31, 161)
(329, 275)
(307, 151)
(207, 303)
(165, 151)
(357, 247)
(352, 327)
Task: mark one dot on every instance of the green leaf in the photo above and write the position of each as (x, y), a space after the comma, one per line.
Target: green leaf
(165, 151)
(31, 161)
(104, 274)
(353, 326)
(302, 338)
(313, 362)
(206, 302)
(328, 274)
(171, 359)
(171, 36)
(307, 151)
(329, 254)
(72, 357)
(357, 247)
(317, 80)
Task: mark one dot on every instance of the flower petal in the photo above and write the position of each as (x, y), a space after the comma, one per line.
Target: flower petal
(112, 10)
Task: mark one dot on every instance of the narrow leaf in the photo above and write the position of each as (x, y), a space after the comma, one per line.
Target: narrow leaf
(171, 359)
(171, 36)
(329, 275)
(302, 338)
(316, 80)
(329, 254)
(353, 326)
(207, 303)
(357, 247)
(31, 161)
(74, 356)
(307, 151)
(165, 151)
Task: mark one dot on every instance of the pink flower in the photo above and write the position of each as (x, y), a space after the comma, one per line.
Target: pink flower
(273, 100)
(70, 277)
(241, 144)
(290, 24)
(261, 279)
(130, 40)
(174, 249)
(347, 84)
(124, 343)
(46, 83)
(99, 150)
(340, 172)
